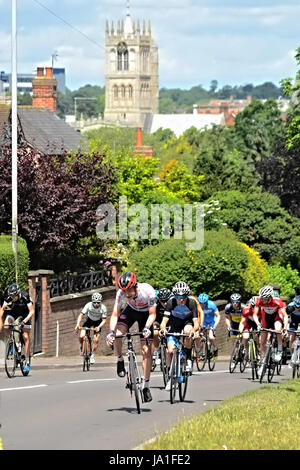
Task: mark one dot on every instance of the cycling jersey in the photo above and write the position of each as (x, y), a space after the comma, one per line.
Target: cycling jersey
(270, 312)
(144, 300)
(247, 314)
(160, 309)
(20, 307)
(180, 315)
(95, 314)
(294, 316)
(235, 314)
(210, 313)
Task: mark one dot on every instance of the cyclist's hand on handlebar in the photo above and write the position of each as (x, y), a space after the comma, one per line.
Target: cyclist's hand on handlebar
(110, 338)
(162, 332)
(192, 334)
(146, 332)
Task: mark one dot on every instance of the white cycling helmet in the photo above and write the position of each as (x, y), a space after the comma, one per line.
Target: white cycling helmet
(266, 292)
(236, 297)
(96, 298)
(181, 288)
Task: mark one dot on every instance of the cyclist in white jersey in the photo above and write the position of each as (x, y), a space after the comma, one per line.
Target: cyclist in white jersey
(141, 307)
(95, 314)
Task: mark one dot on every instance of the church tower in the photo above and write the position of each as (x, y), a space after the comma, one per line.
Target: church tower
(131, 79)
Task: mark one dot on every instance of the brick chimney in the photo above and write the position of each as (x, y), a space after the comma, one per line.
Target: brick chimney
(141, 149)
(44, 89)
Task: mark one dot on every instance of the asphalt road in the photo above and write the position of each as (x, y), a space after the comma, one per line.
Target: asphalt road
(69, 409)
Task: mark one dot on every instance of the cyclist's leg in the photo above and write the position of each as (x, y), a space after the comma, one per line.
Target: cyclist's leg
(278, 327)
(188, 345)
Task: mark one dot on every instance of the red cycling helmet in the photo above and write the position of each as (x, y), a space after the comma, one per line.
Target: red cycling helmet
(127, 280)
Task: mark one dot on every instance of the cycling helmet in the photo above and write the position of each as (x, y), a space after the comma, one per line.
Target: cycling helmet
(164, 294)
(297, 301)
(96, 298)
(203, 298)
(235, 297)
(13, 290)
(181, 288)
(252, 301)
(127, 280)
(266, 292)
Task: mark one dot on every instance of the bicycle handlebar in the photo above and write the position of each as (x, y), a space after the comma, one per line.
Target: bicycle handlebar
(271, 331)
(184, 335)
(87, 329)
(128, 335)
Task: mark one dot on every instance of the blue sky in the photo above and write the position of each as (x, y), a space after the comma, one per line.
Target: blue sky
(233, 41)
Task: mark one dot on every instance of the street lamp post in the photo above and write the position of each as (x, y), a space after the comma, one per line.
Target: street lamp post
(14, 136)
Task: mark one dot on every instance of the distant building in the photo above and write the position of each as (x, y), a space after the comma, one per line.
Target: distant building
(229, 108)
(179, 123)
(24, 81)
(131, 80)
(44, 88)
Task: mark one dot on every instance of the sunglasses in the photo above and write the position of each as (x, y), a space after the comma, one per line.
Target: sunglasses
(181, 296)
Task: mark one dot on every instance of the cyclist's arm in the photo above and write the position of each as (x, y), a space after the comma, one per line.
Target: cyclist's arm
(227, 320)
(114, 317)
(80, 316)
(285, 318)
(2, 309)
(30, 314)
(196, 324)
(218, 318)
(255, 316)
(241, 325)
(151, 318)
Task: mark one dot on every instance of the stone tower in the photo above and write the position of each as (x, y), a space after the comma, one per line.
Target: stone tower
(131, 79)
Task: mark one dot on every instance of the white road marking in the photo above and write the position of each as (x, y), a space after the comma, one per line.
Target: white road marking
(22, 388)
(89, 380)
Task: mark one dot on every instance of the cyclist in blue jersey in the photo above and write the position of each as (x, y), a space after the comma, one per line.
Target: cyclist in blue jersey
(211, 319)
(293, 311)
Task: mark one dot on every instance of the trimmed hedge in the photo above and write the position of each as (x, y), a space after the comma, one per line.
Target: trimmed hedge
(7, 263)
(222, 266)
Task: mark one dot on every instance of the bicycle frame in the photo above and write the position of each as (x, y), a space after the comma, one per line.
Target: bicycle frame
(252, 353)
(268, 361)
(205, 354)
(178, 375)
(236, 355)
(86, 347)
(295, 358)
(13, 355)
(134, 379)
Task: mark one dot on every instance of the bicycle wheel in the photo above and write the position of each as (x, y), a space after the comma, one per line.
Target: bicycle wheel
(210, 356)
(21, 360)
(265, 363)
(242, 358)
(153, 365)
(134, 381)
(173, 377)
(183, 379)
(10, 359)
(201, 355)
(271, 369)
(86, 355)
(253, 360)
(278, 367)
(234, 358)
(164, 363)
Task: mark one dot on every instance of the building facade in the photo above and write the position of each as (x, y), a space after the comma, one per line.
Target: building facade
(131, 79)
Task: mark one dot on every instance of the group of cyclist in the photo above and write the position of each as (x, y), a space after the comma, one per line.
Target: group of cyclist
(165, 310)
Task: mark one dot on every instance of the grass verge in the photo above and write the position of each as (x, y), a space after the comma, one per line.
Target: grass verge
(264, 419)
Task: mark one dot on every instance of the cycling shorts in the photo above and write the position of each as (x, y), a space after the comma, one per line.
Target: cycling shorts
(129, 316)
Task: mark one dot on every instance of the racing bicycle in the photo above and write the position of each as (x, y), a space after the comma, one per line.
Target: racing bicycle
(15, 349)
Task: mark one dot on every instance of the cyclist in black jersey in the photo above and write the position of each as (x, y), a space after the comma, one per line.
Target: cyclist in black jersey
(233, 314)
(18, 303)
(162, 298)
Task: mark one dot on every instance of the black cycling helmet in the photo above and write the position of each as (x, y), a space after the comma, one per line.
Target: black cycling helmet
(164, 294)
(127, 280)
(13, 290)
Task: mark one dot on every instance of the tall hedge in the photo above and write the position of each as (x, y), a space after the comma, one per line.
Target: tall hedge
(7, 263)
(222, 266)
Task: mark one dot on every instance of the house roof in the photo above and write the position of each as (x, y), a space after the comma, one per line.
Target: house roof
(43, 129)
(179, 123)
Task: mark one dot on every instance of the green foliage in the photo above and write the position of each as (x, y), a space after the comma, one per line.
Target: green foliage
(259, 221)
(218, 268)
(293, 114)
(179, 181)
(286, 277)
(7, 263)
(256, 274)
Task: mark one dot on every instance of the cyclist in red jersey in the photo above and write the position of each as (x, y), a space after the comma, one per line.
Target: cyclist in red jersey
(247, 321)
(273, 316)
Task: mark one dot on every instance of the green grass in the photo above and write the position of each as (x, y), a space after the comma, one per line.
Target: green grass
(264, 419)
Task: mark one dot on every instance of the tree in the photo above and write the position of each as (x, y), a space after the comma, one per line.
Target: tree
(57, 196)
(179, 181)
